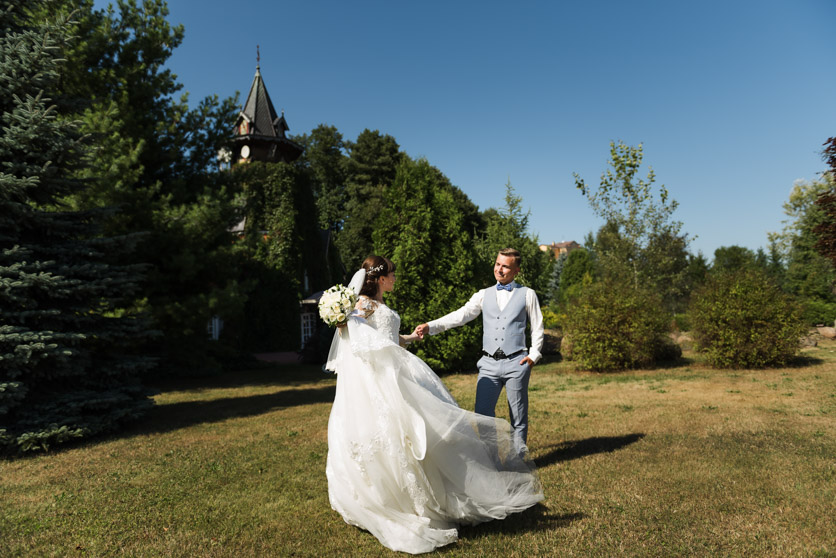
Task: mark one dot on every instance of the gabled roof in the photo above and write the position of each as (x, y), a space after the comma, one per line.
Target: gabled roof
(259, 111)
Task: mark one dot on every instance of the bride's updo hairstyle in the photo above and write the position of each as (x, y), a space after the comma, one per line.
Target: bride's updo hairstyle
(376, 267)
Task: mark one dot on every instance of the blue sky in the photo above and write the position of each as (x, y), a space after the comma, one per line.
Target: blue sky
(731, 99)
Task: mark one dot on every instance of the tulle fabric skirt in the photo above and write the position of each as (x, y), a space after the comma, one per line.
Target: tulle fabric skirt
(405, 462)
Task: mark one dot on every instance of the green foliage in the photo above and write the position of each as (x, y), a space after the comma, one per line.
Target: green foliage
(196, 276)
(70, 364)
(371, 167)
(155, 159)
(282, 246)
(324, 157)
(614, 326)
(825, 229)
(696, 272)
(682, 322)
(508, 228)
(554, 283)
(809, 274)
(818, 312)
(551, 319)
(733, 258)
(664, 265)
(423, 229)
(743, 320)
(775, 264)
(622, 293)
(579, 266)
(639, 237)
(801, 211)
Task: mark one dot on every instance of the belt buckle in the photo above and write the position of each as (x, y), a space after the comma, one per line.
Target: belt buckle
(499, 354)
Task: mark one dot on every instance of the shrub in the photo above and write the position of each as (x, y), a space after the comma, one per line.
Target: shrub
(682, 322)
(551, 318)
(818, 312)
(614, 326)
(743, 320)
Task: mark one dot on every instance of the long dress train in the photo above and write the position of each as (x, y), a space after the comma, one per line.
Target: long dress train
(405, 462)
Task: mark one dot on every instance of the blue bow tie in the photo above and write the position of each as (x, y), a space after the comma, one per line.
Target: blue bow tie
(509, 287)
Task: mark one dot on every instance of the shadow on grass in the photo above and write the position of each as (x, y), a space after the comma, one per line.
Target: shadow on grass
(803, 361)
(576, 449)
(681, 362)
(267, 375)
(535, 518)
(173, 416)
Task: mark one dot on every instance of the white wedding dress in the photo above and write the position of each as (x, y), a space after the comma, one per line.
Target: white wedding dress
(405, 462)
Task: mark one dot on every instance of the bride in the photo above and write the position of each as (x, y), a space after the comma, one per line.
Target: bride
(405, 462)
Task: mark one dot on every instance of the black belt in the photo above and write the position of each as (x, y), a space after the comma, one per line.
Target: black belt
(500, 355)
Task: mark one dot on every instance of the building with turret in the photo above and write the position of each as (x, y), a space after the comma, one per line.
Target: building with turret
(260, 133)
(291, 260)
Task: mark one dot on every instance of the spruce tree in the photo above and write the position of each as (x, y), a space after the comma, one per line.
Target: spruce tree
(66, 365)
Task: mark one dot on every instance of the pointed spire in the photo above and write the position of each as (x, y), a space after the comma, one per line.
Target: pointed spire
(258, 123)
(259, 111)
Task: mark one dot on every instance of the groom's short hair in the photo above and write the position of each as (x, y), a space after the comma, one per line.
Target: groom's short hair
(511, 253)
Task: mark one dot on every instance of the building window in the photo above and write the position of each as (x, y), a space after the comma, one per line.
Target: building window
(308, 325)
(214, 327)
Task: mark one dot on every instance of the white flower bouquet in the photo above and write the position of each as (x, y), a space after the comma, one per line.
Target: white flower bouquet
(336, 304)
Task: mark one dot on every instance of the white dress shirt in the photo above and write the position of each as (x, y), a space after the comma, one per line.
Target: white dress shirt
(473, 308)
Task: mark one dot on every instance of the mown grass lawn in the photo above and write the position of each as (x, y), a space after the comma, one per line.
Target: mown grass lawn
(680, 461)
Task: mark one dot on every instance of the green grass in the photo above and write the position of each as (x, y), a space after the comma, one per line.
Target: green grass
(680, 461)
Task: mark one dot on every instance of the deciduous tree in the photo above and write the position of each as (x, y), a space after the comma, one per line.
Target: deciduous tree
(638, 218)
(809, 275)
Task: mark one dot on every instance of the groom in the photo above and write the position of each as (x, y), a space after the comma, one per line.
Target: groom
(505, 360)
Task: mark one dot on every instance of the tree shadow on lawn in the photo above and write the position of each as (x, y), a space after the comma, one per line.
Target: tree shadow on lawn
(174, 416)
(535, 518)
(576, 449)
(700, 360)
(267, 375)
(681, 362)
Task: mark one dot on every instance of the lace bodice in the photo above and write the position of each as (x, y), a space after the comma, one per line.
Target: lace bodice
(381, 317)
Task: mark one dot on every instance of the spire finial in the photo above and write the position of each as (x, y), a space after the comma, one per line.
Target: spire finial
(257, 56)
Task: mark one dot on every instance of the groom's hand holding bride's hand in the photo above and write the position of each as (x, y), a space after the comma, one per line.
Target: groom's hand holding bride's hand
(422, 330)
(419, 331)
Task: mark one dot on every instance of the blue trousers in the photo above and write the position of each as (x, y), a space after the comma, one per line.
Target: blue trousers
(493, 375)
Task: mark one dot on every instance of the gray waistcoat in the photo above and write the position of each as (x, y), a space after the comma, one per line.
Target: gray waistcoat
(504, 330)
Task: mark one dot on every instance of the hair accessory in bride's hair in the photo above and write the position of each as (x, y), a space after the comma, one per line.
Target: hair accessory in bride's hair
(376, 269)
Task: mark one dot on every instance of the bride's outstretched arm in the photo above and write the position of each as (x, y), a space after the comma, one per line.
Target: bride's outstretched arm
(407, 339)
